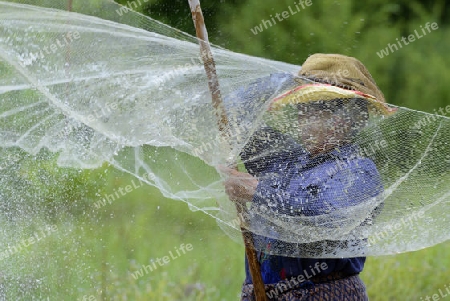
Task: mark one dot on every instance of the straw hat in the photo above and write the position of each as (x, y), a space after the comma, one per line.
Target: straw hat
(333, 76)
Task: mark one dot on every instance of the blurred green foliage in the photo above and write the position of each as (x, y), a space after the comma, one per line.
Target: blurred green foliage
(96, 254)
(47, 190)
(415, 76)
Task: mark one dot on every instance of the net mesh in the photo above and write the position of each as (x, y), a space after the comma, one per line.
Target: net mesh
(130, 91)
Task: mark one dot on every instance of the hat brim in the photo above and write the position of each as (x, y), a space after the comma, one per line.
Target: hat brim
(322, 92)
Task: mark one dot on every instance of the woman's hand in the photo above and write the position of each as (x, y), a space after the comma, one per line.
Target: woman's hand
(239, 186)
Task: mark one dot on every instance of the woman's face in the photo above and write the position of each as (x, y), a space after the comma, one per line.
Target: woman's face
(322, 130)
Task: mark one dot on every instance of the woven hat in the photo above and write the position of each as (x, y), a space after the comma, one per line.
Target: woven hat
(334, 76)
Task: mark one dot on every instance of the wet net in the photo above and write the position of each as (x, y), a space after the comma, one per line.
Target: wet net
(336, 178)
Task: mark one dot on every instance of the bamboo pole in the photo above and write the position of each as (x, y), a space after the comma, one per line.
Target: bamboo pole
(222, 120)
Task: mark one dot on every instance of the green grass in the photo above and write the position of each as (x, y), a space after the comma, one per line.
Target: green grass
(93, 254)
(408, 276)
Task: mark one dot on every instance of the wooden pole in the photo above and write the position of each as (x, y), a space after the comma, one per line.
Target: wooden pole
(222, 120)
(210, 66)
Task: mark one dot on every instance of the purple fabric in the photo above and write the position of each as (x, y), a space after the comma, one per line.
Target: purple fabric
(349, 289)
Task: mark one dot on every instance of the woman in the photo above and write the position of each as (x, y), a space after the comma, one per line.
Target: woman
(323, 174)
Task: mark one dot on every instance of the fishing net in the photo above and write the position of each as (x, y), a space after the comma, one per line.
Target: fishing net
(129, 91)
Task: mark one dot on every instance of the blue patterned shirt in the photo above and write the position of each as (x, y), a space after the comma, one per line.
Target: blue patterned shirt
(311, 187)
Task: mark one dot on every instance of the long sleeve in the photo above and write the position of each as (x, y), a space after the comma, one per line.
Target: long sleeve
(320, 189)
(326, 186)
